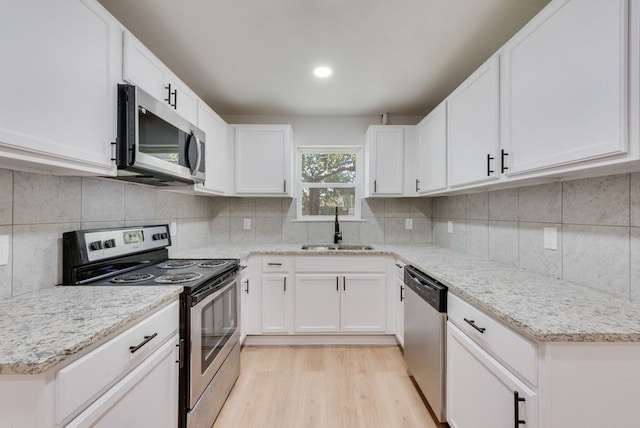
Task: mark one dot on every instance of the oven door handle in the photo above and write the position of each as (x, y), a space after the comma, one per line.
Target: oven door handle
(215, 288)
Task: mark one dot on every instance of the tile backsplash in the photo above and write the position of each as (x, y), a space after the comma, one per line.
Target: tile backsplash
(597, 222)
(273, 220)
(35, 210)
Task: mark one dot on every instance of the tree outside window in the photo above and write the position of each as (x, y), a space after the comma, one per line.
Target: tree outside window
(328, 178)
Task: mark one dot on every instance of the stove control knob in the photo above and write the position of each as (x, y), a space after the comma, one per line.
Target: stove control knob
(109, 243)
(165, 235)
(157, 236)
(95, 245)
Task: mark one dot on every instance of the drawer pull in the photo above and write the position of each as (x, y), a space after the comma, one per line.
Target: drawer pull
(472, 323)
(146, 340)
(274, 264)
(516, 409)
(399, 266)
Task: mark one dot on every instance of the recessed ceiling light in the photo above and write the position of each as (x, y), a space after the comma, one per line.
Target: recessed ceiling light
(322, 71)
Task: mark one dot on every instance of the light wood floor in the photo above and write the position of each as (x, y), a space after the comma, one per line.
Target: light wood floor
(323, 386)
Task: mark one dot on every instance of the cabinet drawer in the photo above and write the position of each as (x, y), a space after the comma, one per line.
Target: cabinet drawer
(82, 381)
(341, 264)
(503, 343)
(276, 264)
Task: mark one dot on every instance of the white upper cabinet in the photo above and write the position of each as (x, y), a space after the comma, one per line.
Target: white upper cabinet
(60, 68)
(432, 151)
(215, 129)
(385, 158)
(263, 160)
(564, 86)
(143, 69)
(473, 111)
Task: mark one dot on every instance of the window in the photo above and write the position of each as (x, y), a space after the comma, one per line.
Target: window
(328, 177)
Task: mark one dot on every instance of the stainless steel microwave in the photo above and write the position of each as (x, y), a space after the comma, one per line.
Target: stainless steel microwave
(155, 145)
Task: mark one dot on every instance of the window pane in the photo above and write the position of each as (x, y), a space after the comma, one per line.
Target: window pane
(323, 201)
(328, 168)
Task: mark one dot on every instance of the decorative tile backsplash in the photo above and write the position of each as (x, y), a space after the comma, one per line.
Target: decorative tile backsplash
(597, 222)
(35, 210)
(597, 219)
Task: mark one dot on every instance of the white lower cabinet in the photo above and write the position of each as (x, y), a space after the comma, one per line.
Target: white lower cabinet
(276, 303)
(482, 393)
(113, 385)
(145, 397)
(329, 303)
(399, 300)
(251, 308)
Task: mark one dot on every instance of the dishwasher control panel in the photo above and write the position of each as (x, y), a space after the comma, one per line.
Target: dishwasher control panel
(429, 289)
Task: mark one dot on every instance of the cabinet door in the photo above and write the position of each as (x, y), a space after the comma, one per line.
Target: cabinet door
(263, 164)
(473, 127)
(184, 101)
(147, 396)
(276, 306)
(215, 150)
(317, 303)
(251, 309)
(363, 303)
(480, 391)
(58, 103)
(386, 175)
(564, 86)
(432, 151)
(143, 69)
(400, 311)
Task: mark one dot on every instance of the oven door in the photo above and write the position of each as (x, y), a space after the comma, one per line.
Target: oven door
(214, 332)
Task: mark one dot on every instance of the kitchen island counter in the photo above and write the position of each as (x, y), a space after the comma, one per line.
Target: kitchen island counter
(540, 307)
(42, 328)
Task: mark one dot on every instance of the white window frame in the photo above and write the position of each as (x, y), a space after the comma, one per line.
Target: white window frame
(357, 150)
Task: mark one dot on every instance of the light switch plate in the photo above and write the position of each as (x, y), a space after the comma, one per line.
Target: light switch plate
(4, 250)
(408, 223)
(450, 227)
(247, 223)
(550, 238)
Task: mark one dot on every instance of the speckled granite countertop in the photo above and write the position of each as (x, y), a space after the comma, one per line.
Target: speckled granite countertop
(41, 329)
(540, 307)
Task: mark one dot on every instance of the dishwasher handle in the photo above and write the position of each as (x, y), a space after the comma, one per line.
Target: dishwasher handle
(427, 288)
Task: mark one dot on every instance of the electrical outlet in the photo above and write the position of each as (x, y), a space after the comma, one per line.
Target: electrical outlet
(247, 224)
(550, 238)
(408, 223)
(4, 250)
(450, 227)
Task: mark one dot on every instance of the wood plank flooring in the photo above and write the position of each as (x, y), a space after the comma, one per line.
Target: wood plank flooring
(323, 386)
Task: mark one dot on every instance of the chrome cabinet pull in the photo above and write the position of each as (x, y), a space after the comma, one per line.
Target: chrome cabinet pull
(417, 185)
(146, 340)
(247, 289)
(375, 186)
(472, 323)
(402, 293)
(337, 283)
(274, 264)
(285, 284)
(344, 283)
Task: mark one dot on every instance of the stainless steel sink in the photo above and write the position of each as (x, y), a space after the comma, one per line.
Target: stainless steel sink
(337, 247)
(358, 247)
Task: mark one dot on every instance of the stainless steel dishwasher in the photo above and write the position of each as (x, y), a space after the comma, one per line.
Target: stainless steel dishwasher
(425, 312)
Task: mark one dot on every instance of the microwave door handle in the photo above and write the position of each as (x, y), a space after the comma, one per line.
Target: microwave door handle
(198, 155)
(193, 166)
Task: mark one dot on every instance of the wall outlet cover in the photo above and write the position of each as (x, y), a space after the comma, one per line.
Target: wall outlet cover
(550, 238)
(449, 227)
(4, 250)
(408, 223)
(247, 223)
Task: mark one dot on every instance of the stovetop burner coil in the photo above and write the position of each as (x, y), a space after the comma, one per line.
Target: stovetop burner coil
(175, 278)
(212, 263)
(131, 277)
(176, 264)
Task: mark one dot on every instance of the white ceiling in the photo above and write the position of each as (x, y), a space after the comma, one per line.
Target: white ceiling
(256, 56)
